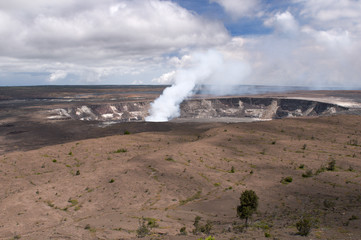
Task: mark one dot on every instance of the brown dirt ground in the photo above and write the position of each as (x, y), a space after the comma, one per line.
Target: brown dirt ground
(182, 173)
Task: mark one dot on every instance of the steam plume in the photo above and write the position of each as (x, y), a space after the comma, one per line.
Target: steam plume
(205, 68)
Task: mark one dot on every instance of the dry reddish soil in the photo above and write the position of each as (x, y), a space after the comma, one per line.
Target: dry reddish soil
(101, 188)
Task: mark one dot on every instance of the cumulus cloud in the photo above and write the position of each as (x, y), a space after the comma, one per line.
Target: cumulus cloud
(306, 42)
(299, 52)
(59, 74)
(240, 8)
(283, 23)
(166, 78)
(100, 34)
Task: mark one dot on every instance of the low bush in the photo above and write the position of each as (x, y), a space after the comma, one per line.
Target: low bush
(304, 226)
(183, 231)
(286, 180)
(331, 165)
(143, 230)
(307, 174)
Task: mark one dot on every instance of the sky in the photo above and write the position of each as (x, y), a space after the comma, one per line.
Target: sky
(313, 43)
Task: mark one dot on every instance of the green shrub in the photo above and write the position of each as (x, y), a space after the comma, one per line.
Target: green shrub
(353, 217)
(331, 165)
(121, 150)
(111, 180)
(207, 238)
(207, 228)
(143, 229)
(126, 132)
(307, 174)
(328, 204)
(183, 231)
(169, 159)
(304, 226)
(320, 170)
(152, 223)
(286, 180)
(353, 142)
(196, 224)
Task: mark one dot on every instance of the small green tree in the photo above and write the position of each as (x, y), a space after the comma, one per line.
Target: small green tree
(249, 204)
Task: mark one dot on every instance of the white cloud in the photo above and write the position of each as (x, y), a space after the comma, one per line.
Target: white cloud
(284, 23)
(310, 56)
(332, 13)
(100, 36)
(308, 42)
(239, 8)
(166, 78)
(59, 74)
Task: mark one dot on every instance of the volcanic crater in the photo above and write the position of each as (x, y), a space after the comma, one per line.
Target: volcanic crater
(66, 173)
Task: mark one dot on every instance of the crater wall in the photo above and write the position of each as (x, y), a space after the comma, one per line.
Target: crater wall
(210, 108)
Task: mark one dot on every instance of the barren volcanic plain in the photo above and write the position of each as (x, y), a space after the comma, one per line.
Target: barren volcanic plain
(68, 170)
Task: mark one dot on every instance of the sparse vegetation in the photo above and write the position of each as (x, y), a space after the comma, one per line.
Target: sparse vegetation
(126, 132)
(192, 198)
(320, 170)
(154, 179)
(353, 217)
(353, 142)
(207, 228)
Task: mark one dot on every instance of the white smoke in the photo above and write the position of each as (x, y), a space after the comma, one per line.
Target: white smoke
(209, 68)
